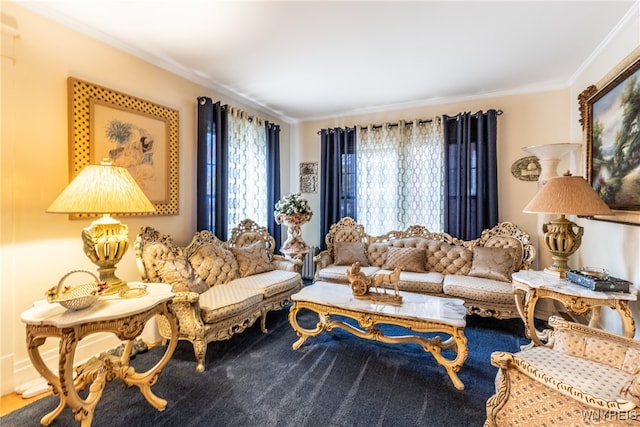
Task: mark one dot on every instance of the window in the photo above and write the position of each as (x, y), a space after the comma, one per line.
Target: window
(400, 168)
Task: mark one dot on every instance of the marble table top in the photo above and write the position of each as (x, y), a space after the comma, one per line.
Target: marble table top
(450, 311)
(542, 280)
(105, 308)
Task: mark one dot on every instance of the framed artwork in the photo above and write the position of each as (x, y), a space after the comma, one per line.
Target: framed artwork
(130, 132)
(309, 177)
(610, 116)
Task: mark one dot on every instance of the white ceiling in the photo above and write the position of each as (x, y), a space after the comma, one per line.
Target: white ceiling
(302, 60)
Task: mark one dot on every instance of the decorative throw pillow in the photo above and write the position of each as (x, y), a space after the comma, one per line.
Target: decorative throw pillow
(631, 389)
(406, 259)
(346, 253)
(180, 275)
(492, 263)
(252, 259)
(214, 264)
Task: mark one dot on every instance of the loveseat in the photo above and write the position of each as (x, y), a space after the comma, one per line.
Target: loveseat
(477, 271)
(584, 377)
(221, 288)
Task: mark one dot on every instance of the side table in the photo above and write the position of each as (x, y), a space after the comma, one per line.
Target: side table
(530, 286)
(125, 318)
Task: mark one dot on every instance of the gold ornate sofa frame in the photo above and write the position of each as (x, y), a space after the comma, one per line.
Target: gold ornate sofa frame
(505, 234)
(186, 305)
(576, 382)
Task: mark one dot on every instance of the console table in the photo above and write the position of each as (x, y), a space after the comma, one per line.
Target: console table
(124, 317)
(419, 313)
(530, 286)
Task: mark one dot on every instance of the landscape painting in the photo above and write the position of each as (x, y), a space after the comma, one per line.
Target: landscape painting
(614, 149)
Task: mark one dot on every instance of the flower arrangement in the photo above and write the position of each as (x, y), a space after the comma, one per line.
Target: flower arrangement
(295, 207)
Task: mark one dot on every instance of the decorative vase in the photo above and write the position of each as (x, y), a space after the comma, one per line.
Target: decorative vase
(294, 246)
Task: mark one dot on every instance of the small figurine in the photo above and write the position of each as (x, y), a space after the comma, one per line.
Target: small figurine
(361, 285)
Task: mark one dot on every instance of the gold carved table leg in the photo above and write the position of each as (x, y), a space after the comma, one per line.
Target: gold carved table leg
(457, 342)
(96, 372)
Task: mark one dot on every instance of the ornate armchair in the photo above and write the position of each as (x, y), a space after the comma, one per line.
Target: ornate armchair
(585, 376)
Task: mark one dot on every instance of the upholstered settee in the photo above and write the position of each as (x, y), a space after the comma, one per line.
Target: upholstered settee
(221, 288)
(477, 271)
(584, 377)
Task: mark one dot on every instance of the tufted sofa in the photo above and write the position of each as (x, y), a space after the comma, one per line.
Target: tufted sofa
(478, 271)
(221, 288)
(585, 377)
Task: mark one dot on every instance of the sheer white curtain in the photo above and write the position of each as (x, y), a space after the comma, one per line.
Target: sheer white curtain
(400, 176)
(247, 168)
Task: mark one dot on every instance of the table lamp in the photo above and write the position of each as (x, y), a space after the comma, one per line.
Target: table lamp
(565, 195)
(104, 190)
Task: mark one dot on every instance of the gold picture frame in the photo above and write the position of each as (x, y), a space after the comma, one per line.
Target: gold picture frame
(612, 139)
(309, 177)
(131, 132)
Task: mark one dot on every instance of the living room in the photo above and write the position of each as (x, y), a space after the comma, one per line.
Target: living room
(39, 55)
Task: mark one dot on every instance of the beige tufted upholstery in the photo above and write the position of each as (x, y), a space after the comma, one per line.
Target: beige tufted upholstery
(448, 262)
(576, 382)
(212, 301)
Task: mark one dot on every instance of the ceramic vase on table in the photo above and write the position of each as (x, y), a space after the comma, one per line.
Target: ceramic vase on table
(294, 246)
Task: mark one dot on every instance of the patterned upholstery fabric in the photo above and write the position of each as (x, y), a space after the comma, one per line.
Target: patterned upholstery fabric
(248, 238)
(252, 259)
(180, 275)
(153, 257)
(378, 253)
(214, 264)
(598, 349)
(223, 301)
(406, 259)
(428, 282)
(477, 288)
(338, 273)
(593, 377)
(448, 259)
(631, 362)
(492, 263)
(349, 252)
(508, 242)
(631, 389)
(530, 404)
(269, 283)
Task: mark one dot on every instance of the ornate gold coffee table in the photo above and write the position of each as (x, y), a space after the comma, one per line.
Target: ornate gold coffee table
(419, 313)
(126, 318)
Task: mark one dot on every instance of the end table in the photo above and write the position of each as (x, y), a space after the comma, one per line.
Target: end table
(530, 286)
(125, 318)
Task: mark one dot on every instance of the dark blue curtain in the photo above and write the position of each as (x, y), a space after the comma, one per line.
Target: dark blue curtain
(273, 180)
(338, 177)
(471, 179)
(212, 163)
(205, 181)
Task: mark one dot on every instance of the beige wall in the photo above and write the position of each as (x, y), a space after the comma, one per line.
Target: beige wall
(531, 119)
(39, 248)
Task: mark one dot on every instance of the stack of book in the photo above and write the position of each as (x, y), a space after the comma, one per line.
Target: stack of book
(600, 283)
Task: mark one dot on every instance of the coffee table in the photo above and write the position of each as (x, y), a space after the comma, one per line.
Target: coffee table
(419, 313)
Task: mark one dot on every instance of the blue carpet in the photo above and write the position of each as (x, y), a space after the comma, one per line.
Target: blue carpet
(334, 379)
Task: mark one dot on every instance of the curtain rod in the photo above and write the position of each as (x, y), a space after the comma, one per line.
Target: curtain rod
(389, 124)
(392, 125)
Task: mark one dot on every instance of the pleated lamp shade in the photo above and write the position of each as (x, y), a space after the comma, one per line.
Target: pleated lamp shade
(102, 189)
(567, 195)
